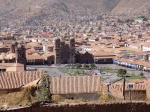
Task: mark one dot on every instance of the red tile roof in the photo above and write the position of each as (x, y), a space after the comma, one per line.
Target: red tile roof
(12, 80)
(75, 84)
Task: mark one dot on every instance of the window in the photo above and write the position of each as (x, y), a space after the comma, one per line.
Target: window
(131, 86)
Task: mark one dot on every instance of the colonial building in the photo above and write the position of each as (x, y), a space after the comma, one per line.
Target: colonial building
(64, 52)
(15, 60)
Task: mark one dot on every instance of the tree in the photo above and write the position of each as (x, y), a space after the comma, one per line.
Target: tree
(122, 72)
(141, 74)
(77, 72)
(78, 65)
(145, 19)
(43, 94)
(85, 66)
(92, 66)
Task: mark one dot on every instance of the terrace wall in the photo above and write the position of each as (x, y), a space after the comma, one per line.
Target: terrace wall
(87, 107)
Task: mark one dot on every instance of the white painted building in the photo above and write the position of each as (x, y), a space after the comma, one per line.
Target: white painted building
(145, 46)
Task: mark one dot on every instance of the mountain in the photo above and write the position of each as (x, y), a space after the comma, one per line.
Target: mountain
(46, 10)
(132, 6)
(26, 6)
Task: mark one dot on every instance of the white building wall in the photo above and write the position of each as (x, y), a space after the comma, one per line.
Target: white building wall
(145, 48)
(44, 48)
(34, 40)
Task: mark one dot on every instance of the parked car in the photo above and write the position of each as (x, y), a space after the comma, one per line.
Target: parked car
(102, 72)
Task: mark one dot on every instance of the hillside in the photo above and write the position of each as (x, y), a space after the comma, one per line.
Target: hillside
(33, 11)
(132, 6)
(26, 6)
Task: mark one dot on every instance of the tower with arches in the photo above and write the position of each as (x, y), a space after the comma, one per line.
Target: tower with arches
(20, 53)
(64, 53)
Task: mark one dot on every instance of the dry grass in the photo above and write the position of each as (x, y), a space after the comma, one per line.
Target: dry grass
(107, 98)
(75, 101)
(24, 97)
(57, 98)
(27, 97)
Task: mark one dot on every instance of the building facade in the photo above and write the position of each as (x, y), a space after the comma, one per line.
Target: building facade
(15, 59)
(64, 53)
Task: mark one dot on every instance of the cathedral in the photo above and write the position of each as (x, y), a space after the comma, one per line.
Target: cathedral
(20, 53)
(64, 53)
(15, 59)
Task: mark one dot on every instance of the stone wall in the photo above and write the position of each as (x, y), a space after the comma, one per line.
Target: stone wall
(148, 88)
(135, 95)
(88, 107)
(116, 91)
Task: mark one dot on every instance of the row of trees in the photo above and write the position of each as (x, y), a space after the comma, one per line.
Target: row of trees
(84, 66)
(123, 72)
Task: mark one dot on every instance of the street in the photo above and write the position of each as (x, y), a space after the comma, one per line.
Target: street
(51, 70)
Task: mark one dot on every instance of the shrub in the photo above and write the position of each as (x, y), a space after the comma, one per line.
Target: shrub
(141, 74)
(85, 66)
(122, 72)
(76, 72)
(78, 65)
(92, 66)
(43, 94)
(57, 98)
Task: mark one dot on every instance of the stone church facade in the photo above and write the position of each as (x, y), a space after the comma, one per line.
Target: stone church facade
(20, 53)
(64, 53)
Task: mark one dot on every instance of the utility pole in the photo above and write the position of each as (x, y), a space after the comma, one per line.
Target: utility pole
(124, 83)
(130, 94)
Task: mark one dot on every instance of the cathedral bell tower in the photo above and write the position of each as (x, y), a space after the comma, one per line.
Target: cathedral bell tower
(57, 48)
(20, 54)
(72, 50)
(13, 46)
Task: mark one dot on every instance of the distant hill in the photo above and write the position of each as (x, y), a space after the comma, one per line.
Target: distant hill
(132, 6)
(28, 8)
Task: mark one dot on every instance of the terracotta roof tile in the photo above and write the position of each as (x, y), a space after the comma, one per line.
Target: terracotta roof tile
(12, 80)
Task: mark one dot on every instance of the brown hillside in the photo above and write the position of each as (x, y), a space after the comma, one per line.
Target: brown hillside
(132, 6)
(23, 6)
